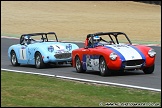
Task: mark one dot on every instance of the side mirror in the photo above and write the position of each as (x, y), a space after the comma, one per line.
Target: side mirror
(86, 47)
(86, 44)
(22, 43)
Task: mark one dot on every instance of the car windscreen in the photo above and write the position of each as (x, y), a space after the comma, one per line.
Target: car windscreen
(44, 38)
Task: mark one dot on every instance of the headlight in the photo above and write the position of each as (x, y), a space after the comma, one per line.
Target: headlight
(113, 56)
(151, 53)
(50, 48)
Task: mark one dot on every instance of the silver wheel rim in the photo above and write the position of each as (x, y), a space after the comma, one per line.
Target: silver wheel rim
(102, 66)
(77, 63)
(37, 61)
(13, 59)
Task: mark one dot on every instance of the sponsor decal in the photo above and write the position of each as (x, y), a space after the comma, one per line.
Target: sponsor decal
(91, 62)
(69, 47)
(50, 48)
(22, 47)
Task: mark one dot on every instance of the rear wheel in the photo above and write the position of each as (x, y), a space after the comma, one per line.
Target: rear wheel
(78, 65)
(14, 61)
(149, 70)
(104, 71)
(39, 61)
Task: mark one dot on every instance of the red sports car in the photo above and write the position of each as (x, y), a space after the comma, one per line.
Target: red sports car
(108, 51)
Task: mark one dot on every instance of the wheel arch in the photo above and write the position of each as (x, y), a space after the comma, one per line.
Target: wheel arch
(36, 53)
(106, 58)
(17, 63)
(12, 50)
(41, 63)
(76, 55)
(100, 56)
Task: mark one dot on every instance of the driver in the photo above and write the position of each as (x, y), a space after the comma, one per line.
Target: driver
(27, 39)
(96, 40)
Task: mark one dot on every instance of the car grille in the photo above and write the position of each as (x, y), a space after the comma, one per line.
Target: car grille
(62, 55)
(133, 62)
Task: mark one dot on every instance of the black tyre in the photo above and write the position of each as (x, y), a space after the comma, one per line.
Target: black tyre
(149, 70)
(78, 65)
(104, 71)
(39, 64)
(14, 61)
(120, 72)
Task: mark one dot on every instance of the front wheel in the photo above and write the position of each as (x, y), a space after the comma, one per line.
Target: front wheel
(14, 61)
(78, 65)
(39, 61)
(104, 71)
(149, 70)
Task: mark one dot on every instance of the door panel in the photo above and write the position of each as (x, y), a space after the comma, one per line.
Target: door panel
(90, 60)
(23, 54)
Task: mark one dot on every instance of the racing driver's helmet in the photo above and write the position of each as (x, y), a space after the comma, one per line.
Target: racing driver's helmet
(27, 39)
(96, 39)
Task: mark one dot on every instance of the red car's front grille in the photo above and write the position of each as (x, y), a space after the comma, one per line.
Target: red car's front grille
(133, 62)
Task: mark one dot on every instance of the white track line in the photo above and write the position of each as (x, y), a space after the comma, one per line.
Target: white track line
(9, 37)
(86, 80)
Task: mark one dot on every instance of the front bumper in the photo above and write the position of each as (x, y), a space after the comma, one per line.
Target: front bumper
(133, 64)
(133, 67)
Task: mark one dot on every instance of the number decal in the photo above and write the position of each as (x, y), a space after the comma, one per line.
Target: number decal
(23, 54)
(92, 62)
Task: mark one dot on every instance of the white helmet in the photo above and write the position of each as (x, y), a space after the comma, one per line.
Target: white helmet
(96, 39)
(27, 39)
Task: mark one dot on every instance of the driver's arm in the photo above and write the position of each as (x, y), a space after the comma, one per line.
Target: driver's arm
(110, 42)
(102, 39)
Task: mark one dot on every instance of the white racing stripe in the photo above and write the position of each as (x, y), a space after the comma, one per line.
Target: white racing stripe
(128, 52)
(86, 80)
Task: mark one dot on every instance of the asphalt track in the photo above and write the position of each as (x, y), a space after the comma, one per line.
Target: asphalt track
(133, 78)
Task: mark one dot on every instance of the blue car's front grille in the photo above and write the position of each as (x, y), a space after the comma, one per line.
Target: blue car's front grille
(62, 55)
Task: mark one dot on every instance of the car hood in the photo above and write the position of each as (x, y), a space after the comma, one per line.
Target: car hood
(58, 46)
(126, 52)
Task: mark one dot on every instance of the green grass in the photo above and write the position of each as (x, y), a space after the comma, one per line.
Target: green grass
(21, 90)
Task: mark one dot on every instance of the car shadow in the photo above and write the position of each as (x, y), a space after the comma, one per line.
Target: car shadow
(58, 66)
(116, 73)
(48, 66)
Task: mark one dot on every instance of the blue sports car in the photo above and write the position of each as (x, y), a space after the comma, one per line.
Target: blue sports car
(40, 49)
